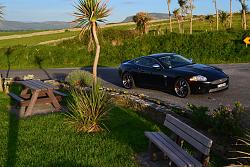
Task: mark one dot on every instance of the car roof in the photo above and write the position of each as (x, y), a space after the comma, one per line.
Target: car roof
(159, 55)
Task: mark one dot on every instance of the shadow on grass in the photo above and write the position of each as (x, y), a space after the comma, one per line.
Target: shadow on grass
(128, 127)
(12, 140)
(8, 53)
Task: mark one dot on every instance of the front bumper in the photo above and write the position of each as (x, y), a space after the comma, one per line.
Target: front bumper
(209, 87)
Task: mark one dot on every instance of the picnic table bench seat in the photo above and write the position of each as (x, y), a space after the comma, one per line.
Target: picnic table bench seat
(173, 150)
(16, 97)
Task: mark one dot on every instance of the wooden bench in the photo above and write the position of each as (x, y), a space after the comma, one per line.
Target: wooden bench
(173, 150)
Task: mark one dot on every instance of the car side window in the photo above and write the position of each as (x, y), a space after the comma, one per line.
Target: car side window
(148, 62)
(166, 60)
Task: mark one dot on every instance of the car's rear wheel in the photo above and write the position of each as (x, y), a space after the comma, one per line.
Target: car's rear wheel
(182, 88)
(128, 81)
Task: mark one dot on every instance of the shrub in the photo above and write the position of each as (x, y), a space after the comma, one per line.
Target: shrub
(200, 116)
(80, 78)
(87, 109)
(226, 120)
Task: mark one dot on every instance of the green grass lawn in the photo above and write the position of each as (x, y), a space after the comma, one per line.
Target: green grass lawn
(48, 141)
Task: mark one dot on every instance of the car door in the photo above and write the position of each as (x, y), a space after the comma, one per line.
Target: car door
(149, 76)
(156, 77)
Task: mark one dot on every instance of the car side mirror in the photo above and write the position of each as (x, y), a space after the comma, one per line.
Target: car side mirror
(191, 60)
(156, 66)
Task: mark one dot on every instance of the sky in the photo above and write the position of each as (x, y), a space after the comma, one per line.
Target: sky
(61, 10)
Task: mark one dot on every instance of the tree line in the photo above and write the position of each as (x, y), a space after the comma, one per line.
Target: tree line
(185, 10)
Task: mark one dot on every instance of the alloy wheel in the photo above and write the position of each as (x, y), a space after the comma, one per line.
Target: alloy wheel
(182, 88)
(128, 81)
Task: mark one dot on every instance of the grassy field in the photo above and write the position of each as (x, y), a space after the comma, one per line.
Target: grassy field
(7, 33)
(198, 26)
(48, 141)
(35, 39)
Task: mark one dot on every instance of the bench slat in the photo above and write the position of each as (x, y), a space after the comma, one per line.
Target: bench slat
(15, 97)
(165, 148)
(38, 84)
(43, 84)
(29, 85)
(180, 150)
(60, 93)
(203, 149)
(176, 149)
(189, 130)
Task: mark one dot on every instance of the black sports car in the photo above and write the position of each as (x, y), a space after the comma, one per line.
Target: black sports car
(172, 72)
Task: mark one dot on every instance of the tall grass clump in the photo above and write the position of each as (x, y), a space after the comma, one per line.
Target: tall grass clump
(80, 78)
(88, 109)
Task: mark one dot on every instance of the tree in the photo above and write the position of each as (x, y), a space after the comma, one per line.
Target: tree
(176, 13)
(244, 11)
(191, 15)
(223, 17)
(231, 15)
(169, 14)
(183, 11)
(217, 15)
(210, 18)
(141, 19)
(88, 14)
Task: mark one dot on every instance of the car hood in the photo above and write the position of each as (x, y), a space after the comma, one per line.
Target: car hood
(212, 73)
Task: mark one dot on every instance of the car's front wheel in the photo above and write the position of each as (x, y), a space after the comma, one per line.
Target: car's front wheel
(128, 81)
(181, 88)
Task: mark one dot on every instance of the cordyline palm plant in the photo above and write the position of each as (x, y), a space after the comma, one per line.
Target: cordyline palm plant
(88, 14)
(244, 11)
(141, 19)
(223, 17)
(217, 14)
(87, 109)
(169, 15)
(210, 19)
(231, 14)
(177, 15)
(183, 11)
(191, 7)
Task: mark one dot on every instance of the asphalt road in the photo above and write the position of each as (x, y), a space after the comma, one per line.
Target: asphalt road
(239, 89)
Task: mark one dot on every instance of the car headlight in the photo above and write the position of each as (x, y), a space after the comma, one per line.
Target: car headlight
(198, 78)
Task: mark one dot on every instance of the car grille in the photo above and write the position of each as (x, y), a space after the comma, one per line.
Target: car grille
(219, 81)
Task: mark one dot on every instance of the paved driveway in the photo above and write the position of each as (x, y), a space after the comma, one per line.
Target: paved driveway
(239, 89)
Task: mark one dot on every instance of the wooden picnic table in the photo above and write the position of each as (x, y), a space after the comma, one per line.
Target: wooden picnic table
(35, 92)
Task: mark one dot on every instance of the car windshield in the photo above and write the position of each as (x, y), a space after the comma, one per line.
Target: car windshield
(172, 61)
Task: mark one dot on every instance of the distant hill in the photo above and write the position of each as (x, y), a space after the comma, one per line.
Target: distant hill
(50, 25)
(155, 16)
